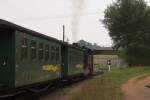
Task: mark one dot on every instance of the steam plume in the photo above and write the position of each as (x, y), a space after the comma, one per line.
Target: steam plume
(78, 6)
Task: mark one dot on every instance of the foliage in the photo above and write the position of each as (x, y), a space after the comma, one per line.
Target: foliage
(128, 23)
(88, 45)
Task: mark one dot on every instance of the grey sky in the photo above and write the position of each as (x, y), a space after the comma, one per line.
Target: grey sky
(48, 16)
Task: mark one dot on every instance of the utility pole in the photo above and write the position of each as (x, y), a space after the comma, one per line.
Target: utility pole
(63, 33)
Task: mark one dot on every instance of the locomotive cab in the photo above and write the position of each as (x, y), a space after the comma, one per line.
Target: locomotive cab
(88, 61)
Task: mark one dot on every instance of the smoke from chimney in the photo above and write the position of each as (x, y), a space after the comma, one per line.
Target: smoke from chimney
(78, 6)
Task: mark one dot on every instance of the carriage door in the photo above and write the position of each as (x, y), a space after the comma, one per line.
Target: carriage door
(6, 57)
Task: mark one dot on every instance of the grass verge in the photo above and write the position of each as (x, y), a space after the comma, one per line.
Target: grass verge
(107, 86)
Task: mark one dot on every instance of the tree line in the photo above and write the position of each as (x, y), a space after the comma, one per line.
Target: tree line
(128, 23)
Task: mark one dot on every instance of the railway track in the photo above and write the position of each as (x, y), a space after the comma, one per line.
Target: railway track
(34, 94)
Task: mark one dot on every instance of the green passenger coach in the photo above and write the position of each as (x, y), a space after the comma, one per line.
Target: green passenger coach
(37, 59)
(31, 61)
(27, 57)
(75, 61)
(72, 62)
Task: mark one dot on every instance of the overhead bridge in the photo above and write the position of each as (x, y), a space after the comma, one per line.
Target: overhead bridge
(105, 52)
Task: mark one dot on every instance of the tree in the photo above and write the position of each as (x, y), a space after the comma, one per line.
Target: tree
(128, 23)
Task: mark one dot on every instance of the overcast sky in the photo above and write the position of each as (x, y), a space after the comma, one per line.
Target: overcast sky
(48, 16)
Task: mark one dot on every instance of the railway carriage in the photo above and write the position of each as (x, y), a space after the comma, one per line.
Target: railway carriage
(72, 61)
(27, 57)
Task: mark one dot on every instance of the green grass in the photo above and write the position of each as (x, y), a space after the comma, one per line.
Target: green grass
(107, 86)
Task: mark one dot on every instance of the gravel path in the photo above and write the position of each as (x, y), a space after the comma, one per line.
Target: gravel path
(135, 89)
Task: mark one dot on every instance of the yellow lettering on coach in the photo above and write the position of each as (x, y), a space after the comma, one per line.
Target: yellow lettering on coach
(51, 68)
(79, 66)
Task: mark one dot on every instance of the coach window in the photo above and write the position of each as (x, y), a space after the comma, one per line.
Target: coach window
(40, 51)
(33, 49)
(46, 52)
(52, 53)
(24, 48)
(57, 53)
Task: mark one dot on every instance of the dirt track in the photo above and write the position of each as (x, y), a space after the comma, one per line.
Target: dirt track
(135, 89)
